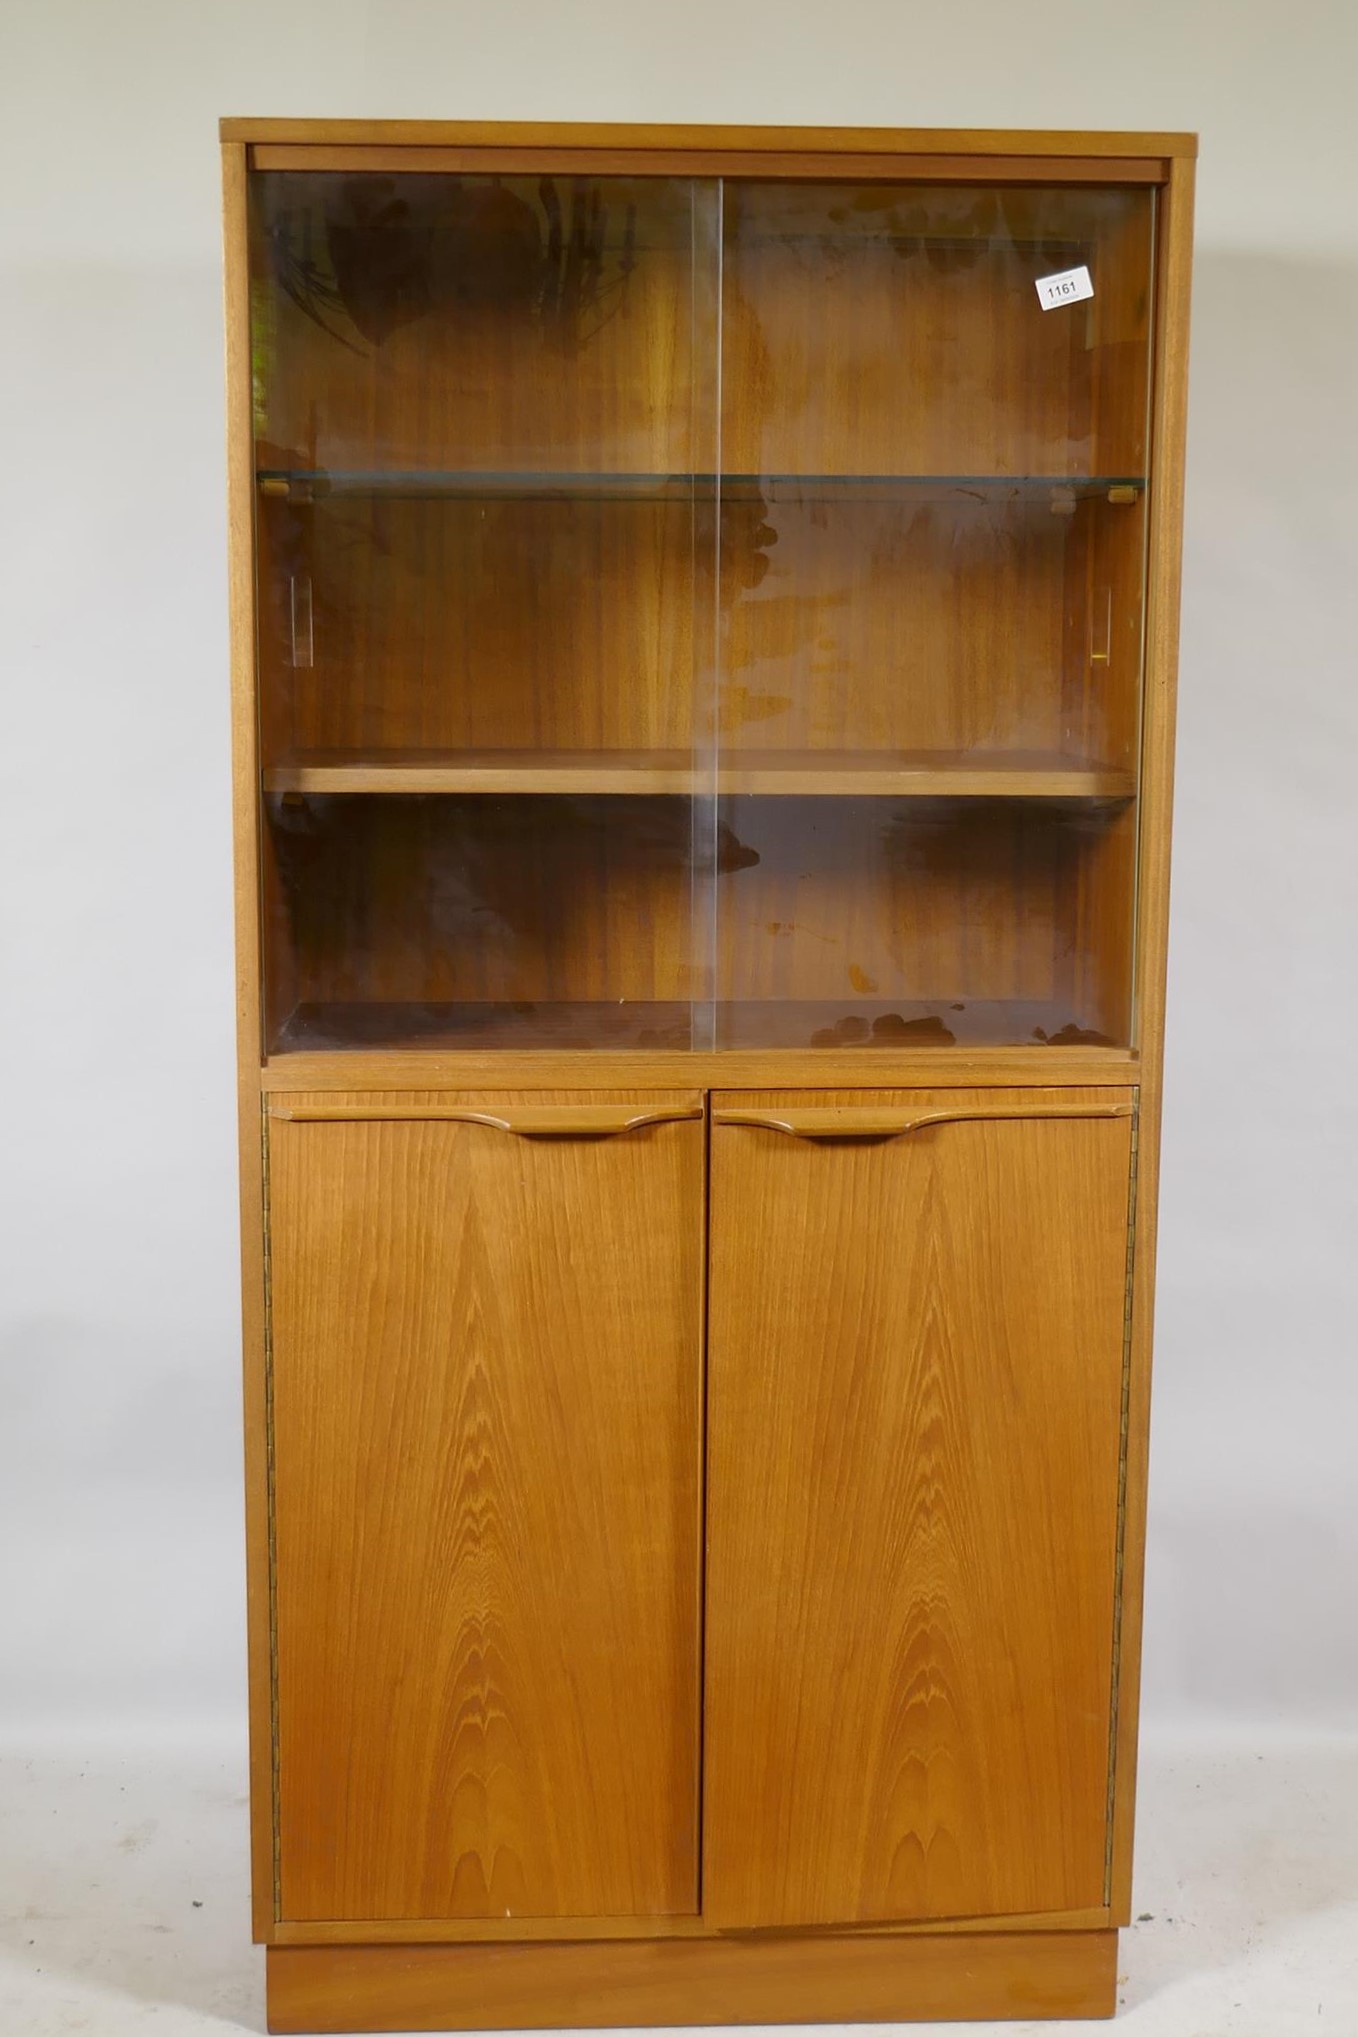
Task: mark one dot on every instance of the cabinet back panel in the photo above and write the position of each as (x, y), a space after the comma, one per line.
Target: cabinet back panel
(897, 329)
(431, 899)
(914, 1412)
(484, 624)
(421, 323)
(938, 904)
(900, 622)
(929, 618)
(487, 1392)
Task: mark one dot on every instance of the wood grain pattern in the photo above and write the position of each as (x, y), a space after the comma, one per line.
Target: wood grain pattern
(485, 624)
(500, 355)
(825, 326)
(578, 919)
(1162, 667)
(861, 635)
(964, 910)
(954, 617)
(464, 900)
(726, 1980)
(487, 1516)
(915, 1382)
(249, 1042)
(587, 630)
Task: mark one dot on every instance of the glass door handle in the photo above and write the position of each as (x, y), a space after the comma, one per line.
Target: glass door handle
(868, 1121)
(525, 1120)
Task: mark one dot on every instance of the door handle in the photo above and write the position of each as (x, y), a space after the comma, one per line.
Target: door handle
(870, 1121)
(525, 1120)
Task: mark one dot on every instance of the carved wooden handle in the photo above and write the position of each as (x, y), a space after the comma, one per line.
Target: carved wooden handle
(884, 1121)
(525, 1120)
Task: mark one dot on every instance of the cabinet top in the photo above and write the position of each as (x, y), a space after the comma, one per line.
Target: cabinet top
(906, 141)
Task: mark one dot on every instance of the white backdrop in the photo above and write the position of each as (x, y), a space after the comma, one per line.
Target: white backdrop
(120, 1547)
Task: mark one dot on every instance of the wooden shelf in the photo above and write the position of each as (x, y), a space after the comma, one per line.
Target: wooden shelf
(540, 771)
(829, 773)
(870, 1024)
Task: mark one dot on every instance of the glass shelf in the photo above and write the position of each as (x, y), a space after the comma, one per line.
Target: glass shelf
(303, 484)
(974, 774)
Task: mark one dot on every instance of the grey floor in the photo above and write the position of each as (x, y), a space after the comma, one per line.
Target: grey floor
(123, 1904)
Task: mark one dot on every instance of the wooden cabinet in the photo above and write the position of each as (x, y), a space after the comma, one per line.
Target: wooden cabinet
(704, 613)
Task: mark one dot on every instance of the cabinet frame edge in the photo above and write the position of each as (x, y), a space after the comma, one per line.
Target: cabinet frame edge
(622, 136)
(245, 833)
(1174, 256)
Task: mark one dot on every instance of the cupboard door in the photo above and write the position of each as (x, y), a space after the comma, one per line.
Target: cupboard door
(487, 1398)
(914, 1416)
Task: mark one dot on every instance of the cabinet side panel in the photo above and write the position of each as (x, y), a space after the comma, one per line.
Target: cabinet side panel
(1168, 427)
(487, 1402)
(914, 1436)
(244, 785)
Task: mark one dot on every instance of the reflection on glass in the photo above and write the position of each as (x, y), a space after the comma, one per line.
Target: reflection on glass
(697, 614)
(422, 322)
(476, 921)
(485, 434)
(932, 539)
(871, 921)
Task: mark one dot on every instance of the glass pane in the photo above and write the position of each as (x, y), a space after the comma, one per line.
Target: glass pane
(932, 540)
(485, 438)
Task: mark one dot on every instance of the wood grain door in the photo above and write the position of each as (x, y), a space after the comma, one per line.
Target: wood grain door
(487, 1406)
(914, 1415)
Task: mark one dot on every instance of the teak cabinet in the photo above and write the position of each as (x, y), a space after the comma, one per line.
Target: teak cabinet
(704, 609)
